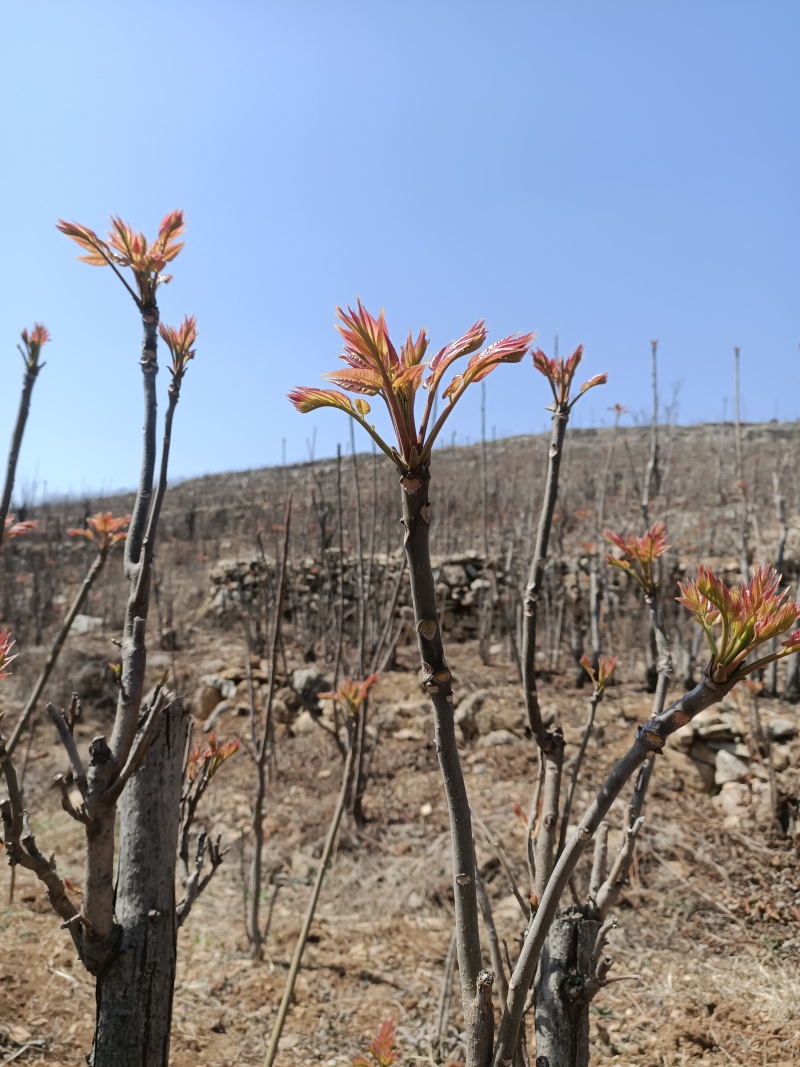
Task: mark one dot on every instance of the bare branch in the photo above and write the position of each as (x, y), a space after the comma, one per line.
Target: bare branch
(59, 721)
(649, 738)
(598, 874)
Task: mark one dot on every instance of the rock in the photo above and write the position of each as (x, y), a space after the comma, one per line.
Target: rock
(781, 730)
(573, 735)
(508, 716)
(466, 712)
(304, 723)
(204, 699)
(281, 712)
(308, 683)
(301, 864)
(497, 738)
(408, 734)
(225, 687)
(90, 681)
(216, 715)
(741, 801)
(87, 624)
(706, 769)
(781, 759)
(729, 768)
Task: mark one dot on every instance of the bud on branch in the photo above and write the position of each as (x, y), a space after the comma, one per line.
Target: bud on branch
(559, 373)
(375, 368)
(738, 620)
(125, 248)
(33, 342)
(639, 555)
(103, 531)
(18, 529)
(605, 668)
(351, 695)
(6, 655)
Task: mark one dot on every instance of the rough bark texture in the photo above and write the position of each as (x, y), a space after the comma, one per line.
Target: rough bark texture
(134, 997)
(562, 1000)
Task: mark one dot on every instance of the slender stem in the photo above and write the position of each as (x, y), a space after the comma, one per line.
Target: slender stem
(55, 649)
(546, 740)
(294, 966)
(263, 749)
(576, 770)
(149, 365)
(545, 839)
(16, 442)
(437, 682)
(652, 471)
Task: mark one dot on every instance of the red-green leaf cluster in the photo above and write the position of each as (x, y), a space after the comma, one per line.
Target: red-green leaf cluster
(127, 249)
(560, 372)
(103, 530)
(606, 666)
(639, 555)
(382, 1050)
(350, 694)
(738, 619)
(206, 760)
(181, 343)
(374, 367)
(18, 529)
(6, 654)
(32, 345)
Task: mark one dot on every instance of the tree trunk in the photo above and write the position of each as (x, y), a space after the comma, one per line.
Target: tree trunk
(562, 1004)
(134, 996)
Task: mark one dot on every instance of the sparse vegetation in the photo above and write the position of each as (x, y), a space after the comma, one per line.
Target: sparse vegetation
(323, 598)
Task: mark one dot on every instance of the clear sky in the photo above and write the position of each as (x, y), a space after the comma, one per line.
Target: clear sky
(609, 171)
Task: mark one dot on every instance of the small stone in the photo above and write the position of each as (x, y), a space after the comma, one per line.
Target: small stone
(466, 712)
(729, 768)
(204, 700)
(304, 723)
(408, 734)
(425, 810)
(497, 738)
(216, 715)
(781, 730)
(780, 759)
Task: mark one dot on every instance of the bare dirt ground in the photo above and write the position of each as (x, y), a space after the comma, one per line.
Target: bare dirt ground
(708, 931)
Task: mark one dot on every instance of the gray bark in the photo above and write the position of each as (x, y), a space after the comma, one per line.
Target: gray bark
(563, 990)
(134, 996)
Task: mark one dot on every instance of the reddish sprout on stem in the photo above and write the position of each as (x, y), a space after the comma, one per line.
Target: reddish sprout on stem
(103, 530)
(208, 760)
(376, 368)
(639, 555)
(32, 345)
(6, 654)
(605, 668)
(127, 249)
(559, 373)
(738, 619)
(181, 343)
(382, 1050)
(351, 695)
(18, 529)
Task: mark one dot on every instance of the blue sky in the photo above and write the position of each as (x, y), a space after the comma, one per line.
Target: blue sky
(609, 172)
